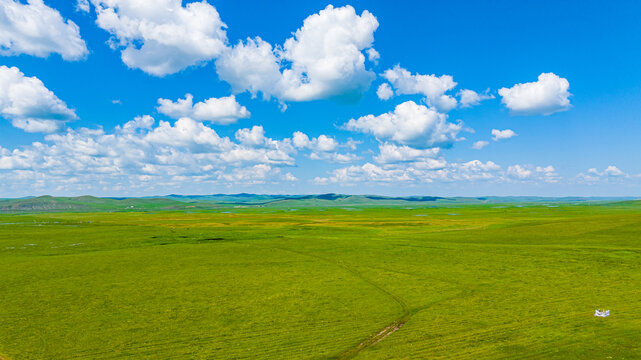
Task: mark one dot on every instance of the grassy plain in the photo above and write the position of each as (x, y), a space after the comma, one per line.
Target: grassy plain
(465, 282)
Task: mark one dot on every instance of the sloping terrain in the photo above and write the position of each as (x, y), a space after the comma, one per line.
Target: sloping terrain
(204, 202)
(449, 282)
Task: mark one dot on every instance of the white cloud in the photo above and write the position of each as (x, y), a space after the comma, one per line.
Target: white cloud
(431, 170)
(546, 96)
(502, 134)
(519, 172)
(139, 122)
(83, 6)
(139, 153)
(609, 173)
(224, 110)
(469, 171)
(431, 86)
(187, 133)
(409, 124)
(301, 140)
(368, 172)
(38, 30)
(324, 59)
(613, 171)
(29, 105)
(290, 177)
(468, 98)
(414, 172)
(162, 37)
(322, 143)
(251, 66)
(334, 157)
(252, 137)
(480, 144)
(384, 91)
(323, 147)
(373, 55)
(325, 143)
(533, 173)
(390, 153)
(256, 174)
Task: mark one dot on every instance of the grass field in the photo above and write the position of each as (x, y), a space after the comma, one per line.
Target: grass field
(463, 282)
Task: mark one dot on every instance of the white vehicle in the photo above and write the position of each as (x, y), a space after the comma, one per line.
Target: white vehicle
(600, 313)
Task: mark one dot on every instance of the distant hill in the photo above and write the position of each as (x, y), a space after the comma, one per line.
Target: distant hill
(87, 203)
(208, 202)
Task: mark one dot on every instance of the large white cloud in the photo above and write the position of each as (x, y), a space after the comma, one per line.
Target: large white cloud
(547, 95)
(415, 172)
(224, 110)
(162, 37)
(324, 59)
(36, 29)
(431, 86)
(409, 124)
(141, 155)
(29, 105)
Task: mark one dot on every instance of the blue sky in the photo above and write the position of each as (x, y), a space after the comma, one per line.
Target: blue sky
(357, 97)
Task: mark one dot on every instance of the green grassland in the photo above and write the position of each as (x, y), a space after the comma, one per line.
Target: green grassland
(475, 281)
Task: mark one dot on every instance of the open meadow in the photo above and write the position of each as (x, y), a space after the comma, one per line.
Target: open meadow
(486, 281)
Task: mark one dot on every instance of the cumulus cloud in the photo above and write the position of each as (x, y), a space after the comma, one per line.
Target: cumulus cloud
(519, 172)
(323, 59)
(546, 96)
(162, 37)
(431, 170)
(139, 122)
(224, 110)
(418, 172)
(480, 144)
(256, 174)
(611, 172)
(29, 105)
(530, 172)
(187, 133)
(390, 153)
(384, 92)
(431, 86)
(468, 98)
(368, 172)
(253, 137)
(321, 143)
(373, 55)
(290, 177)
(409, 124)
(36, 29)
(323, 147)
(502, 134)
(140, 153)
(83, 6)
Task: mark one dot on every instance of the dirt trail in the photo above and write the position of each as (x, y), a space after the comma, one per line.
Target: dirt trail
(380, 335)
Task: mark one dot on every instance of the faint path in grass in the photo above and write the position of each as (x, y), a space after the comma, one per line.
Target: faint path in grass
(375, 338)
